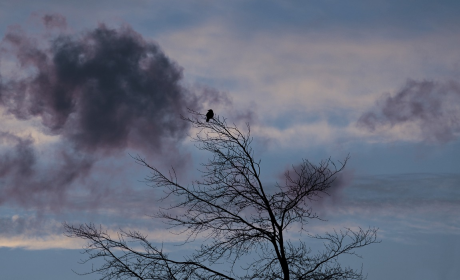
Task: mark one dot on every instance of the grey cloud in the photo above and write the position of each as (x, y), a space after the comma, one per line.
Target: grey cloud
(332, 197)
(221, 103)
(423, 202)
(54, 21)
(432, 106)
(26, 182)
(102, 91)
(20, 160)
(29, 225)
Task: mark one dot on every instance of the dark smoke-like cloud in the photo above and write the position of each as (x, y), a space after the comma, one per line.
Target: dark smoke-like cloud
(332, 198)
(432, 106)
(54, 21)
(101, 91)
(26, 182)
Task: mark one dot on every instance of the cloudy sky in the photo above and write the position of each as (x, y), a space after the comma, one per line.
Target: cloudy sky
(86, 84)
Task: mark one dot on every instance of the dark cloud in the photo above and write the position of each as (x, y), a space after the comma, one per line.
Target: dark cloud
(25, 182)
(18, 161)
(54, 21)
(62, 180)
(101, 91)
(432, 106)
(332, 197)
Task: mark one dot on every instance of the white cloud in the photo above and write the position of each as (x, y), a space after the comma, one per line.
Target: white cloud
(41, 243)
(314, 69)
(53, 240)
(25, 129)
(310, 73)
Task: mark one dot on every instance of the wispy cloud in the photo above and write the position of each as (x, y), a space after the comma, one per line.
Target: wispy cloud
(402, 204)
(431, 108)
(27, 183)
(311, 83)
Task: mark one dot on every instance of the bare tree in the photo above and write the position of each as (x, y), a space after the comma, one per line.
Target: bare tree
(237, 215)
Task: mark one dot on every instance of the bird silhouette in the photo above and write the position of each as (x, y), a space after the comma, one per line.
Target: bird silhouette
(209, 115)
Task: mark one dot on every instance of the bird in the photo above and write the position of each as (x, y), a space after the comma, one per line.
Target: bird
(209, 115)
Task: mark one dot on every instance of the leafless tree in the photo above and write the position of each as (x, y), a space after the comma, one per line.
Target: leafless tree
(238, 216)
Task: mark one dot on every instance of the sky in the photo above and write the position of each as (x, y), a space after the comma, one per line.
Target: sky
(86, 85)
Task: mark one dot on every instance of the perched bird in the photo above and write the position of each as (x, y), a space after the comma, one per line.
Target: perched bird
(209, 115)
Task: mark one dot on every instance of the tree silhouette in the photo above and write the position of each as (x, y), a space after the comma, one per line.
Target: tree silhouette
(239, 217)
